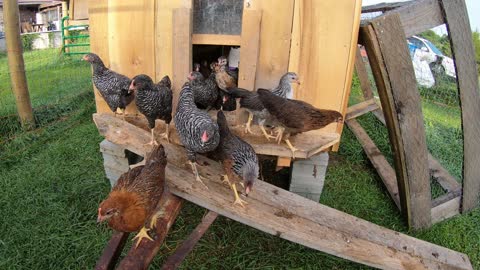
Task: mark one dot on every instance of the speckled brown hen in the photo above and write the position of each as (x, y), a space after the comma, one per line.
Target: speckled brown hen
(295, 116)
(225, 80)
(134, 198)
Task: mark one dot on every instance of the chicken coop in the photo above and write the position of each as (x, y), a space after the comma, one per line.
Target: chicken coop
(161, 38)
(315, 39)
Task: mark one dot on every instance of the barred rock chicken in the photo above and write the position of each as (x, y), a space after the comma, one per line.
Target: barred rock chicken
(196, 129)
(224, 78)
(237, 156)
(205, 91)
(202, 68)
(153, 101)
(295, 116)
(112, 86)
(250, 101)
(134, 198)
(225, 102)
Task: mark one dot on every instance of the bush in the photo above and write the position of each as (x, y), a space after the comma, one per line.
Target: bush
(27, 41)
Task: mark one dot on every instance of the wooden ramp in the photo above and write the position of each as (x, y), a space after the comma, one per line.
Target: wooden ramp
(287, 215)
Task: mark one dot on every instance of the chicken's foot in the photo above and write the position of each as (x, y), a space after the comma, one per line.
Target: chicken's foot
(279, 136)
(123, 114)
(268, 136)
(153, 142)
(153, 220)
(143, 233)
(165, 134)
(225, 179)
(237, 198)
(292, 148)
(195, 172)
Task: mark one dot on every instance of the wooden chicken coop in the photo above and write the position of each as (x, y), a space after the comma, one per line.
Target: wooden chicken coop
(315, 39)
(159, 38)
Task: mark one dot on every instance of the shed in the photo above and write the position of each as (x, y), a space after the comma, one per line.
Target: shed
(315, 39)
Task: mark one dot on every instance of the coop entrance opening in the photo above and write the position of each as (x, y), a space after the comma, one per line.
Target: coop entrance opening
(205, 55)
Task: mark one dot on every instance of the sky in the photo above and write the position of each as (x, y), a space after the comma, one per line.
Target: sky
(473, 8)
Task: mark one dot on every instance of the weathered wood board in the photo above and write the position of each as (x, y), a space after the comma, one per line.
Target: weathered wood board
(310, 143)
(456, 16)
(289, 216)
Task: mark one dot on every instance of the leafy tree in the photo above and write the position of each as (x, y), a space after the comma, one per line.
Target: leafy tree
(476, 45)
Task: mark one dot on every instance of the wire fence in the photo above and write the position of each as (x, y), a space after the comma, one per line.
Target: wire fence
(57, 84)
(436, 82)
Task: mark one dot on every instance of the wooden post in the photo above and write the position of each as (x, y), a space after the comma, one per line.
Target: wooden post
(464, 55)
(16, 64)
(182, 49)
(65, 32)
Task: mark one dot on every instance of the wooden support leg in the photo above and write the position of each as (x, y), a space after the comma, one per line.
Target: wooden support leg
(142, 256)
(112, 251)
(187, 246)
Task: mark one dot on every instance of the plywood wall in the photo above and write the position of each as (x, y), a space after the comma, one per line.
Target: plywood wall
(275, 36)
(324, 38)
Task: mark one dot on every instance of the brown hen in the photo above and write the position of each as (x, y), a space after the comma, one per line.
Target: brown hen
(134, 198)
(295, 116)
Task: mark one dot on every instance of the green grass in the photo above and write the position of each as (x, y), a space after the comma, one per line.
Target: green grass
(52, 179)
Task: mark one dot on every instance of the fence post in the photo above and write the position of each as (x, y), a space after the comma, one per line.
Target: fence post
(16, 64)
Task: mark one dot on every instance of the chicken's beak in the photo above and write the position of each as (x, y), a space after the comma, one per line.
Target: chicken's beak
(248, 188)
(85, 58)
(131, 88)
(297, 81)
(100, 218)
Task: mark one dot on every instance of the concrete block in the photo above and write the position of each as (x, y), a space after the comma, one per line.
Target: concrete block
(308, 176)
(110, 148)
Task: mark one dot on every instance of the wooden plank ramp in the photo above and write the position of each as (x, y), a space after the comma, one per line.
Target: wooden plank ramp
(287, 215)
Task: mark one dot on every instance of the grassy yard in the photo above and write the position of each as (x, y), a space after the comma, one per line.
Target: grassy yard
(52, 179)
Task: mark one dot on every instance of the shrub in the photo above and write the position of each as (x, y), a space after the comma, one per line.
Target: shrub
(27, 41)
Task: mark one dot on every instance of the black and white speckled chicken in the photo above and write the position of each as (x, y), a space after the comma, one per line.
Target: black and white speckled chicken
(205, 91)
(153, 101)
(237, 156)
(112, 86)
(225, 102)
(196, 129)
(251, 102)
(295, 116)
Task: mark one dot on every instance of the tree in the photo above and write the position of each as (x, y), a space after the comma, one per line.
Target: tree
(476, 45)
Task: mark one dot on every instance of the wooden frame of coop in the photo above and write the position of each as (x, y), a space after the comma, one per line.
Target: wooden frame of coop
(408, 183)
(270, 46)
(155, 38)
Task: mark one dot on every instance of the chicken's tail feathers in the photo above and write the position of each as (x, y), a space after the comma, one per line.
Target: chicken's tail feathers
(238, 92)
(222, 123)
(165, 81)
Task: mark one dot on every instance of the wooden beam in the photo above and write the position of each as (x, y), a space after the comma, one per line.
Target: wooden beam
(408, 133)
(182, 50)
(16, 65)
(361, 108)
(287, 215)
(309, 143)
(378, 160)
(419, 16)
(112, 251)
(250, 51)
(207, 39)
(447, 197)
(140, 257)
(458, 27)
(442, 176)
(446, 210)
(363, 76)
(174, 260)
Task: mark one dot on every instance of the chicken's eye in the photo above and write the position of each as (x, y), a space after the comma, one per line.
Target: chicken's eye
(109, 212)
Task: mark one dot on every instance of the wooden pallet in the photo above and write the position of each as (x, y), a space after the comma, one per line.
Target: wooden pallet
(274, 211)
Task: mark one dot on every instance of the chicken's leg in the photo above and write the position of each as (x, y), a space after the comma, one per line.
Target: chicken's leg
(292, 148)
(279, 136)
(249, 123)
(143, 233)
(153, 142)
(195, 171)
(268, 136)
(237, 198)
(165, 134)
(153, 220)
(225, 179)
(123, 114)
